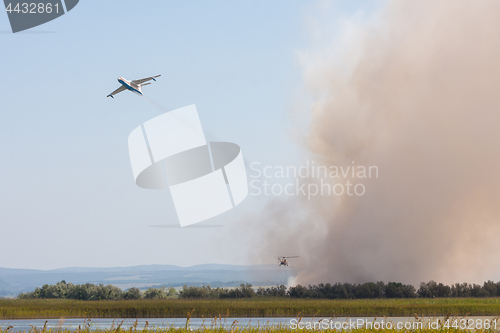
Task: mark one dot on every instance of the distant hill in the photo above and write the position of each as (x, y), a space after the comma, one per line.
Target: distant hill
(15, 281)
(4, 288)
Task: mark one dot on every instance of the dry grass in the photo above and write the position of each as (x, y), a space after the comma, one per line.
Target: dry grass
(255, 307)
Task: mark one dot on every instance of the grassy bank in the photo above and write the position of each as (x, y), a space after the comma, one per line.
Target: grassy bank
(255, 307)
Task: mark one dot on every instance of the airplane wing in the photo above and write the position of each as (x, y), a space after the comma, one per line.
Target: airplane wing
(141, 81)
(119, 90)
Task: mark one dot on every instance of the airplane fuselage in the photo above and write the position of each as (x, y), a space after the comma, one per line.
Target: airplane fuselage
(133, 86)
(130, 85)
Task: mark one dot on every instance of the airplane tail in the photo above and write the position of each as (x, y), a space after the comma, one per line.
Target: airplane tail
(140, 86)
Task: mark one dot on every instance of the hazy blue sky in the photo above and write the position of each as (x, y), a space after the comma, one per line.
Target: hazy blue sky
(67, 195)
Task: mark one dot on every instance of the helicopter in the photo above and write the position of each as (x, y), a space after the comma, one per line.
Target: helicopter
(283, 260)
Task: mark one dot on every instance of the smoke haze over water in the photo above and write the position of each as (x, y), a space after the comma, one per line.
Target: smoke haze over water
(417, 94)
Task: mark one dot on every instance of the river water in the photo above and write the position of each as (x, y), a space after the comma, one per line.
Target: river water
(339, 323)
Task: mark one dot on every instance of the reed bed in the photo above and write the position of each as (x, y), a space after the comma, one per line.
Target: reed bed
(255, 307)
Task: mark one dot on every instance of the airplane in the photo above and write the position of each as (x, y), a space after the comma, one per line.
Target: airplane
(283, 260)
(134, 86)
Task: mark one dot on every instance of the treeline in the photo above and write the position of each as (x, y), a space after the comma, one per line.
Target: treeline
(354, 291)
(243, 291)
(92, 292)
(431, 289)
(336, 291)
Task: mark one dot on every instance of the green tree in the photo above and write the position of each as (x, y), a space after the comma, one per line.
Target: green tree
(132, 293)
(172, 292)
(151, 293)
